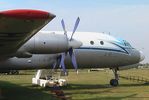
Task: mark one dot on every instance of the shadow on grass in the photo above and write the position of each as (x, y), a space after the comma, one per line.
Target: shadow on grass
(115, 98)
(129, 85)
(16, 92)
(85, 86)
(11, 91)
(97, 86)
(16, 74)
(100, 89)
(132, 96)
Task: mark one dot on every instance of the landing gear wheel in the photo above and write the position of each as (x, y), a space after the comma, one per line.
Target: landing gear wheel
(114, 82)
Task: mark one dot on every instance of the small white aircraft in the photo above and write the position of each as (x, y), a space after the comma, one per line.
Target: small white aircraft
(23, 47)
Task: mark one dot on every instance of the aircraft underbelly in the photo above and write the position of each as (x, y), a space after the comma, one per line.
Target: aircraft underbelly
(100, 59)
(92, 58)
(85, 59)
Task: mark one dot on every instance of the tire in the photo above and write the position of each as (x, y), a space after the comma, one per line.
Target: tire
(114, 82)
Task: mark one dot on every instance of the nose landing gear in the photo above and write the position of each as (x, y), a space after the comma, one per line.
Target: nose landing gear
(114, 82)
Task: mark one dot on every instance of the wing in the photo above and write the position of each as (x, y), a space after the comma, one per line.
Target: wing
(18, 26)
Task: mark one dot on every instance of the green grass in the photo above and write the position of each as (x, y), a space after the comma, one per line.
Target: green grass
(19, 87)
(84, 86)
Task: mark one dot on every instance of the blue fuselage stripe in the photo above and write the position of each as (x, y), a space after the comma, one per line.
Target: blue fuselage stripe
(106, 49)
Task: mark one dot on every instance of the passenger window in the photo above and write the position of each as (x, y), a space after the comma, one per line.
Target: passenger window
(101, 42)
(92, 42)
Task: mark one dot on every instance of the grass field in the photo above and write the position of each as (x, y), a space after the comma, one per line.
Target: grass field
(84, 86)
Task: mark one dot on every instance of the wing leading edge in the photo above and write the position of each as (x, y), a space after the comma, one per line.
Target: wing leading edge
(18, 26)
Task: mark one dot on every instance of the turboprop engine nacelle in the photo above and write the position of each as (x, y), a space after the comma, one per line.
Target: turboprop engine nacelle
(48, 43)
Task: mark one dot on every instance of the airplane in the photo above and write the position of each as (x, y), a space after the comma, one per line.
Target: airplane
(24, 46)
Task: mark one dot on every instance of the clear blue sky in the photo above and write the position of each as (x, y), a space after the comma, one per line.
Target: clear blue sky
(128, 19)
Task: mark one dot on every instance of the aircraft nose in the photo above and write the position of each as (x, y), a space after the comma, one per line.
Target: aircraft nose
(142, 56)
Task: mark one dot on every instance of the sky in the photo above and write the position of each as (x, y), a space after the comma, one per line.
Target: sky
(128, 19)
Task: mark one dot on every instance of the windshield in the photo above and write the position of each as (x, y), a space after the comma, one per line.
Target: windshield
(127, 43)
(124, 43)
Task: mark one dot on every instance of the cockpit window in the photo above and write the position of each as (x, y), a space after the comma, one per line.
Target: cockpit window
(124, 43)
(127, 43)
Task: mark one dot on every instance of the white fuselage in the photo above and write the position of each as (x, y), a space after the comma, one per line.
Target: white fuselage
(98, 50)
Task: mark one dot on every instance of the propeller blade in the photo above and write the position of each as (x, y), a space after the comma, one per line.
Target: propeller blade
(62, 62)
(75, 27)
(54, 65)
(63, 25)
(73, 59)
(72, 43)
(57, 62)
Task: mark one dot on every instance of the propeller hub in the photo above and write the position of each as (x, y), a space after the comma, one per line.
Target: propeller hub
(74, 44)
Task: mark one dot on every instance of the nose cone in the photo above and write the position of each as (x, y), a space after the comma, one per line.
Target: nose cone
(142, 56)
(74, 44)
